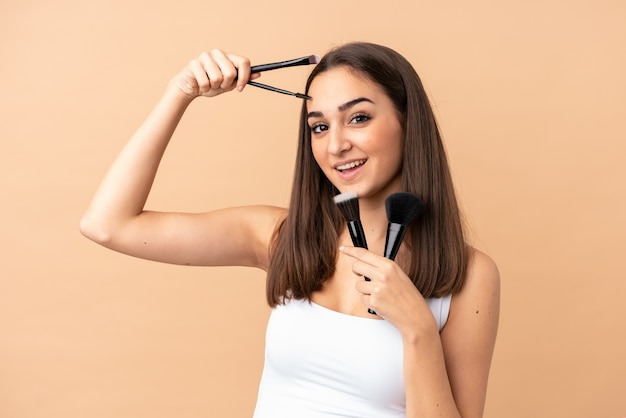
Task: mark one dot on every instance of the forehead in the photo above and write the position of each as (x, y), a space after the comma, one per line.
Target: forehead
(340, 85)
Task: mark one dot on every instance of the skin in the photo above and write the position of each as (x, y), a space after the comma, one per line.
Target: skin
(352, 121)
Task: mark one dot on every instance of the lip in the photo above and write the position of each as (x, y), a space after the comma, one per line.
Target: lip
(350, 169)
(350, 164)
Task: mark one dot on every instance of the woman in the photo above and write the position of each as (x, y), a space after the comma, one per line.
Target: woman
(368, 128)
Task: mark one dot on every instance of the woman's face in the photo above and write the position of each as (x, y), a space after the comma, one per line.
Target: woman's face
(356, 136)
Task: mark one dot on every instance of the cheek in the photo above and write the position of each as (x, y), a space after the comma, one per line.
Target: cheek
(388, 143)
(319, 155)
(319, 149)
(395, 151)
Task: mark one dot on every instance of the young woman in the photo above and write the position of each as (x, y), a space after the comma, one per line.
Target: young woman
(368, 128)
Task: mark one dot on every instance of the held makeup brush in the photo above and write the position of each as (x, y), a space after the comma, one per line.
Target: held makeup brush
(277, 90)
(308, 60)
(348, 204)
(402, 209)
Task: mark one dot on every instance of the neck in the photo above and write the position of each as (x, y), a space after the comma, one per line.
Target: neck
(374, 219)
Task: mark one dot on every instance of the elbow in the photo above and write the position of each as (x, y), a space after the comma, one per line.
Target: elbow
(94, 230)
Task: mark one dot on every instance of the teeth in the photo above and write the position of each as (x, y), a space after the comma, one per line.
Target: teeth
(350, 165)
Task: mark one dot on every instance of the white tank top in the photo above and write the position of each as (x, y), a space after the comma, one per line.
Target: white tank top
(321, 363)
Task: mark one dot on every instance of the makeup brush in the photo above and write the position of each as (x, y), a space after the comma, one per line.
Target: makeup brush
(277, 90)
(402, 209)
(348, 204)
(308, 60)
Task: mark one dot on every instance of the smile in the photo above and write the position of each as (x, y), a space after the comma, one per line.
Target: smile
(350, 165)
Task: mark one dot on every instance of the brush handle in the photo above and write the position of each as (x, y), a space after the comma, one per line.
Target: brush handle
(395, 235)
(355, 228)
(357, 234)
(277, 90)
(281, 64)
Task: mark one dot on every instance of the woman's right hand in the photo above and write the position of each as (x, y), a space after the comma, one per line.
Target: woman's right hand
(214, 73)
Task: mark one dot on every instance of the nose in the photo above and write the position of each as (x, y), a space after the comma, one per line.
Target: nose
(338, 142)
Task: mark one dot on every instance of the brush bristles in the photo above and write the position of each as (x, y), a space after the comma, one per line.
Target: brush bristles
(403, 208)
(314, 59)
(348, 204)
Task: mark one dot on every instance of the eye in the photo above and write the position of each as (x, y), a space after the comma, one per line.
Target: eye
(318, 128)
(360, 118)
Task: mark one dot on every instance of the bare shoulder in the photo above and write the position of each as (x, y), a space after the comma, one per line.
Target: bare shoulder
(482, 271)
(478, 301)
(481, 286)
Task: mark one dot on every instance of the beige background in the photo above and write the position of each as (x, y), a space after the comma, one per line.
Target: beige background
(531, 98)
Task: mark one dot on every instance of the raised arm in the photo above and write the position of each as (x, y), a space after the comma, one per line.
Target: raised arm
(116, 217)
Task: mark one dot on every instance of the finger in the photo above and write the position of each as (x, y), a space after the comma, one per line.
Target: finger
(365, 270)
(200, 75)
(365, 287)
(227, 69)
(243, 73)
(354, 252)
(367, 301)
(363, 254)
(212, 69)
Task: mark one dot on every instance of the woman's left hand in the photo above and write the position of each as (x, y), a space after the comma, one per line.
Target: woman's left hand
(391, 293)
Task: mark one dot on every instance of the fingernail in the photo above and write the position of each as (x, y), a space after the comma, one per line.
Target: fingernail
(341, 248)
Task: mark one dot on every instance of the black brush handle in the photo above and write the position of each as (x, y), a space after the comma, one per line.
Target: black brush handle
(357, 234)
(277, 90)
(355, 228)
(281, 64)
(395, 235)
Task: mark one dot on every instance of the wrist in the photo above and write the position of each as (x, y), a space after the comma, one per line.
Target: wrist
(425, 330)
(176, 94)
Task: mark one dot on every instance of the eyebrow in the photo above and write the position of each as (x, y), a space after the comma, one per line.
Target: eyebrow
(342, 108)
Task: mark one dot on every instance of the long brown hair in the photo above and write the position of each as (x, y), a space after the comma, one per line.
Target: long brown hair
(305, 246)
